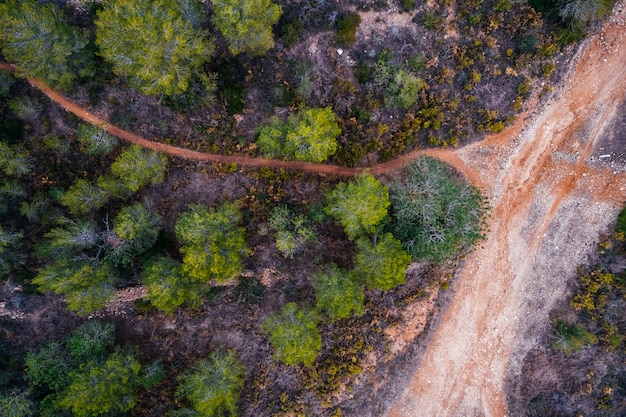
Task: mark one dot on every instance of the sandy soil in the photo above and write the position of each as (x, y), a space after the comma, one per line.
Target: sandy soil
(551, 198)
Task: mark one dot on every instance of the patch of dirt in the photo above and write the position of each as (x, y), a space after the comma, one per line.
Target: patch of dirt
(551, 199)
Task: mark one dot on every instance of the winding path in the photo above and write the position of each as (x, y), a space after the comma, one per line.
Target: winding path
(549, 205)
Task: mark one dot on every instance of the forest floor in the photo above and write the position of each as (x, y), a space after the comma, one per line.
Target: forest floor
(555, 182)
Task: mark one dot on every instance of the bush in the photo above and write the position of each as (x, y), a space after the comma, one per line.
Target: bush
(292, 231)
(382, 263)
(48, 367)
(346, 29)
(16, 404)
(82, 197)
(215, 384)
(95, 141)
(137, 167)
(435, 214)
(294, 335)
(570, 338)
(403, 90)
(90, 341)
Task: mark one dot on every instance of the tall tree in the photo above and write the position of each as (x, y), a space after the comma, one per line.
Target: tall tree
(153, 43)
(310, 135)
(83, 197)
(135, 229)
(338, 292)
(213, 244)
(168, 288)
(246, 24)
(14, 162)
(358, 205)
(215, 384)
(294, 335)
(95, 141)
(381, 264)
(38, 38)
(106, 388)
(137, 167)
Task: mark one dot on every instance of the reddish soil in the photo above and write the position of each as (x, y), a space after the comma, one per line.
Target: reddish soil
(549, 205)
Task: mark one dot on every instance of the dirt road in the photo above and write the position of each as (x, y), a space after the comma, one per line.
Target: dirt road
(551, 196)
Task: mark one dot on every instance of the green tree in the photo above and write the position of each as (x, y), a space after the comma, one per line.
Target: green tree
(48, 367)
(215, 384)
(137, 167)
(70, 240)
(571, 338)
(135, 229)
(213, 244)
(294, 335)
(358, 205)
(87, 288)
(38, 38)
(82, 197)
(403, 91)
(436, 215)
(246, 24)
(10, 253)
(16, 404)
(95, 141)
(310, 135)
(292, 231)
(168, 288)
(106, 388)
(14, 162)
(381, 264)
(338, 292)
(154, 44)
(91, 341)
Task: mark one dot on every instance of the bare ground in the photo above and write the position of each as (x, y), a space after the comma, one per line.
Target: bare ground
(551, 196)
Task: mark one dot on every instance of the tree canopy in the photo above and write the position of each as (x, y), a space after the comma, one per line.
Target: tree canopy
(37, 37)
(310, 135)
(358, 205)
(294, 335)
(381, 264)
(436, 215)
(135, 229)
(338, 292)
(246, 24)
(154, 44)
(214, 245)
(137, 167)
(215, 384)
(105, 388)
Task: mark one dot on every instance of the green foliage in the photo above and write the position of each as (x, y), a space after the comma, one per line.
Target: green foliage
(38, 38)
(135, 229)
(91, 341)
(381, 264)
(294, 335)
(16, 404)
(152, 374)
(346, 29)
(95, 141)
(433, 20)
(14, 162)
(70, 240)
(154, 44)
(48, 367)
(83, 197)
(26, 108)
(87, 288)
(571, 338)
(137, 167)
(10, 253)
(246, 24)
(213, 244)
(106, 388)
(338, 292)
(6, 82)
(435, 214)
(292, 231)
(358, 205)
(621, 222)
(168, 288)
(402, 92)
(215, 384)
(309, 135)
(584, 11)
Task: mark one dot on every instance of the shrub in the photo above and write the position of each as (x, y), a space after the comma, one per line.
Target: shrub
(294, 335)
(404, 89)
(137, 167)
(135, 230)
(435, 214)
(346, 29)
(48, 367)
(95, 141)
(16, 404)
(570, 338)
(292, 231)
(90, 341)
(83, 197)
(382, 263)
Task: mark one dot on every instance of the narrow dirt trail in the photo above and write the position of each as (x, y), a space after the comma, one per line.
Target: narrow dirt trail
(549, 205)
